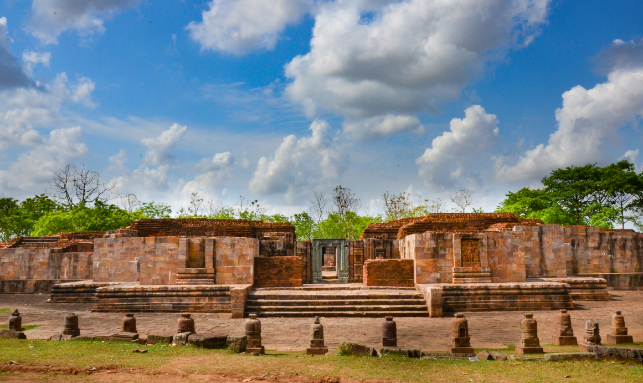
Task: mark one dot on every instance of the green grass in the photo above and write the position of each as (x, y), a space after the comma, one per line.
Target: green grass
(5, 310)
(84, 355)
(24, 328)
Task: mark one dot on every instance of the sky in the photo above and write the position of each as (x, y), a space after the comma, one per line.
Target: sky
(274, 100)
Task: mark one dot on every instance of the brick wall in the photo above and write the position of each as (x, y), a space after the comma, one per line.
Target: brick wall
(42, 264)
(234, 260)
(389, 272)
(278, 272)
(117, 259)
(433, 255)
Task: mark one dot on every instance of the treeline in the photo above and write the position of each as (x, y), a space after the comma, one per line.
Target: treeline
(607, 197)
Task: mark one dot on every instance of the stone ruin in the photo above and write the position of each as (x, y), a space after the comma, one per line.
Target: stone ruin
(564, 333)
(529, 342)
(317, 346)
(460, 340)
(591, 338)
(619, 335)
(253, 333)
(460, 262)
(389, 332)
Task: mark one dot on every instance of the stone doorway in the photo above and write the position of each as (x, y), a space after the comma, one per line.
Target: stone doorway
(326, 261)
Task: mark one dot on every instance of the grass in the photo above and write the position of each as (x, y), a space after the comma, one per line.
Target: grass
(84, 355)
(5, 310)
(24, 328)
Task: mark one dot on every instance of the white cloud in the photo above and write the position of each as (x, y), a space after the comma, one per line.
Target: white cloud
(401, 57)
(31, 59)
(587, 122)
(34, 170)
(379, 126)
(460, 153)
(12, 74)
(299, 165)
(620, 55)
(158, 148)
(117, 161)
(212, 171)
(240, 26)
(632, 155)
(52, 17)
(24, 109)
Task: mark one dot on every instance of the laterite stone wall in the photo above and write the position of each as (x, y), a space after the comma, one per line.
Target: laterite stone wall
(389, 272)
(278, 271)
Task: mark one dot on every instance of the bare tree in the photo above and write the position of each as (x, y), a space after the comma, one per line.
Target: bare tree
(462, 199)
(130, 203)
(434, 206)
(397, 205)
(72, 187)
(196, 202)
(345, 200)
(213, 207)
(318, 206)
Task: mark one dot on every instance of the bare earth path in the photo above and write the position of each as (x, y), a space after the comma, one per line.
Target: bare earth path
(487, 329)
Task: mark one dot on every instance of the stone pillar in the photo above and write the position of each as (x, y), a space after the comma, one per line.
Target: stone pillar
(618, 334)
(389, 332)
(592, 337)
(185, 324)
(460, 340)
(15, 321)
(317, 339)
(71, 325)
(564, 333)
(253, 333)
(529, 342)
(129, 323)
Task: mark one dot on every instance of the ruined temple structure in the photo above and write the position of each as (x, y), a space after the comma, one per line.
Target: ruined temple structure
(411, 267)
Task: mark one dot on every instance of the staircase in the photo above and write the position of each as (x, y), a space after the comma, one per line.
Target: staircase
(37, 241)
(336, 301)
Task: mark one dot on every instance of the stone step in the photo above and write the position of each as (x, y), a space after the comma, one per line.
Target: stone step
(390, 307)
(333, 296)
(335, 314)
(335, 302)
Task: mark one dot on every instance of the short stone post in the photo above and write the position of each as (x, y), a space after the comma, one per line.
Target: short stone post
(253, 332)
(389, 332)
(592, 337)
(185, 324)
(129, 323)
(15, 321)
(564, 332)
(71, 325)
(619, 331)
(529, 342)
(317, 346)
(461, 342)
(128, 330)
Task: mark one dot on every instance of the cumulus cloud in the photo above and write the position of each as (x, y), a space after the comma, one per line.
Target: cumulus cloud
(620, 55)
(158, 148)
(52, 17)
(240, 26)
(12, 74)
(24, 109)
(453, 156)
(31, 59)
(372, 58)
(212, 171)
(379, 126)
(587, 122)
(299, 165)
(34, 170)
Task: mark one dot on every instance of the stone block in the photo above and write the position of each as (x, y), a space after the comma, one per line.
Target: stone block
(123, 337)
(208, 340)
(571, 356)
(619, 339)
(490, 355)
(11, 334)
(460, 350)
(181, 338)
(316, 350)
(156, 339)
(520, 350)
(564, 340)
(237, 343)
(348, 348)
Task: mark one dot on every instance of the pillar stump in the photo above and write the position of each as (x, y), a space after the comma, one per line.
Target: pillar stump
(460, 340)
(564, 332)
(529, 342)
(618, 334)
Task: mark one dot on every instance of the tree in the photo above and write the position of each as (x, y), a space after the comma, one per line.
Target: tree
(19, 218)
(622, 187)
(250, 210)
(318, 206)
(575, 189)
(462, 199)
(196, 202)
(100, 217)
(304, 226)
(130, 203)
(155, 210)
(345, 200)
(72, 187)
(397, 205)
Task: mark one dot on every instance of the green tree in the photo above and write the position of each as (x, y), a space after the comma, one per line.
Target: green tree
(155, 210)
(575, 189)
(9, 208)
(623, 189)
(305, 226)
(83, 218)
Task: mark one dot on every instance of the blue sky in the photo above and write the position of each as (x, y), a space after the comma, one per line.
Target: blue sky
(274, 100)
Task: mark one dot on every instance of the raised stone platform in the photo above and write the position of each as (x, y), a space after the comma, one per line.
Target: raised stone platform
(583, 288)
(172, 298)
(77, 292)
(29, 286)
(497, 297)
